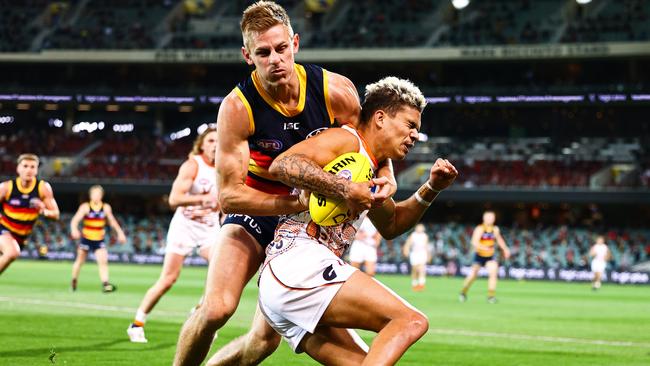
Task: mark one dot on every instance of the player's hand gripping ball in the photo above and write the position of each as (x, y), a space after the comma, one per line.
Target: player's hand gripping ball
(327, 211)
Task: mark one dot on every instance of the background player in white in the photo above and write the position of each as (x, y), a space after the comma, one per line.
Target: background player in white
(483, 239)
(363, 250)
(418, 250)
(94, 214)
(306, 291)
(600, 254)
(195, 223)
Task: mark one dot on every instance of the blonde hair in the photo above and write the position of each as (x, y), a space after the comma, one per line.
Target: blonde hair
(96, 186)
(32, 157)
(261, 16)
(196, 148)
(390, 94)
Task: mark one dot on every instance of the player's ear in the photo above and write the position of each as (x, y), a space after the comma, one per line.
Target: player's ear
(247, 56)
(379, 118)
(296, 42)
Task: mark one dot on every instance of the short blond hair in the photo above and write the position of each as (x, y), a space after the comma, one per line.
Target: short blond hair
(96, 186)
(261, 16)
(32, 157)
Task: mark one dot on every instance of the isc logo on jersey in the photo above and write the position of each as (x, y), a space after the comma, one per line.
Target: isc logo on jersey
(327, 211)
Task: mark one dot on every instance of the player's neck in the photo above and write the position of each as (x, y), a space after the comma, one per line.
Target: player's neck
(207, 160)
(25, 182)
(287, 94)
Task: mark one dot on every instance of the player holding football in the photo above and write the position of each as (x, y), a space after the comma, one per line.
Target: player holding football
(307, 292)
(23, 200)
(195, 224)
(94, 214)
(483, 239)
(280, 104)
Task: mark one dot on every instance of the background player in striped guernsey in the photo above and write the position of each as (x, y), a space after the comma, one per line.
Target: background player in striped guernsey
(23, 200)
(94, 214)
(278, 105)
(483, 239)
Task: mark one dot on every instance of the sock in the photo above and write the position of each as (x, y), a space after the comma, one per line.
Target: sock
(140, 318)
(492, 293)
(414, 283)
(421, 280)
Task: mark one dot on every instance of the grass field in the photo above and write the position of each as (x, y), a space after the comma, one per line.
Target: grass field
(535, 323)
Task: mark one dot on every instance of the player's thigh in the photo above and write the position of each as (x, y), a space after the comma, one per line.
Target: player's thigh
(492, 267)
(235, 259)
(8, 245)
(101, 255)
(333, 346)
(261, 330)
(81, 255)
(364, 303)
(172, 265)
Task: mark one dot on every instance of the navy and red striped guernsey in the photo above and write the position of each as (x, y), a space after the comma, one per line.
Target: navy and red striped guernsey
(274, 129)
(18, 213)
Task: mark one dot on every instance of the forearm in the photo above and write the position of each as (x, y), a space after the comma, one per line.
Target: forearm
(51, 213)
(404, 215)
(300, 172)
(243, 199)
(177, 200)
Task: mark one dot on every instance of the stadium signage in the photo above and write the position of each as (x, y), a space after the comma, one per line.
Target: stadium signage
(537, 51)
(517, 273)
(225, 55)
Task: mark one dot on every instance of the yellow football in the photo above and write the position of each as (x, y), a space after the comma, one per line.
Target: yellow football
(327, 211)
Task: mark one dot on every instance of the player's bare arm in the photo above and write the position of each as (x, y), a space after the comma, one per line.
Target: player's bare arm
(301, 166)
(344, 102)
(4, 189)
(76, 219)
(235, 196)
(501, 242)
(182, 185)
(114, 224)
(393, 219)
(50, 207)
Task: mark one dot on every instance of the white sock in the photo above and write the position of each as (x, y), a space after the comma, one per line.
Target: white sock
(414, 283)
(141, 316)
(422, 280)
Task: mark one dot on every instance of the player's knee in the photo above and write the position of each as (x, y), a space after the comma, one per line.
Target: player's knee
(417, 324)
(167, 282)
(263, 343)
(11, 254)
(218, 311)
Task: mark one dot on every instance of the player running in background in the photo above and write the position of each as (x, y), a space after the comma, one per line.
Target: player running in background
(307, 293)
(94, 214)
(600, 254)
(278, 105)
(23, 200)
(195, 224)
(418, 250)
(363, 250)
(483, 239)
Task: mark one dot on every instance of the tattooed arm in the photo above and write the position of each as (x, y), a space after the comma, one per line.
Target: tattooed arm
(302, 167)
(233, 130)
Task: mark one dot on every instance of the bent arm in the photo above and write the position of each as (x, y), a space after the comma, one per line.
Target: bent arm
(115, 225)
(76, 219)
(232, 167)
(501, 242)
(182, 184)
(51, 210)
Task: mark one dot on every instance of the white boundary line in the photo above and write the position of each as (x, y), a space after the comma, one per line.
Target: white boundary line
(453, 332)
(81, 305)
(526, 337)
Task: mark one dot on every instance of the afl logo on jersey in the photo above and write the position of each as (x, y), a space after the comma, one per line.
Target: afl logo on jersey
(204, 181)
(273, 145)
(316, 132)
(14, 202)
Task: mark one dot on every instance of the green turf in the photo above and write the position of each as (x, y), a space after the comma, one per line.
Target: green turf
(535, 323)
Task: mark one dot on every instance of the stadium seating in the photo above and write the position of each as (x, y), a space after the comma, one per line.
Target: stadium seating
(195, 24)
(543, 247)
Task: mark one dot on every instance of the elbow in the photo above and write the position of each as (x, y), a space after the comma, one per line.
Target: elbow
(226, 201)
(172, 201)
(273, 169)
